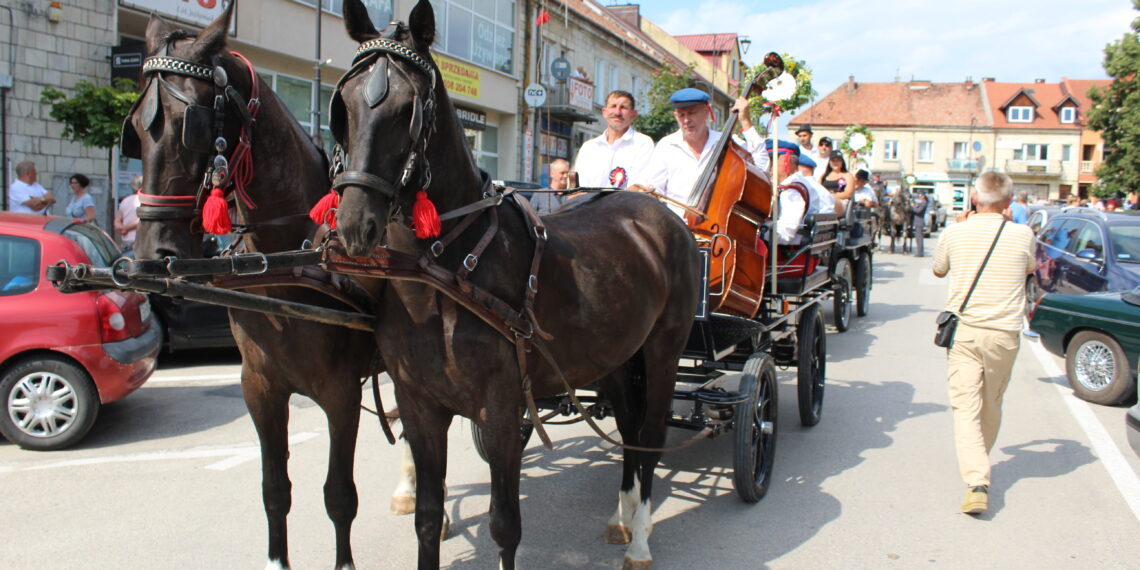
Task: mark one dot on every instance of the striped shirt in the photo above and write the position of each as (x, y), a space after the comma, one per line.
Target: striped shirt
(999, 300)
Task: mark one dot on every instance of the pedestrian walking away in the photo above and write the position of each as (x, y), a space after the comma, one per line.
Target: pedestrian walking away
(980, 361)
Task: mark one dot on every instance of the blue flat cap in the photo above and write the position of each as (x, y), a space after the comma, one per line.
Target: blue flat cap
(688, 97)
(785, 147)
(806, 160)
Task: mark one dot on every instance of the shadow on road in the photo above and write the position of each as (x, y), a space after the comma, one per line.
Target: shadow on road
(1042, 458)
(695, 503)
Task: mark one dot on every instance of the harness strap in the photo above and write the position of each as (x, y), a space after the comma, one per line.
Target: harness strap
(472, 258)
(239, 264)
(380, 413)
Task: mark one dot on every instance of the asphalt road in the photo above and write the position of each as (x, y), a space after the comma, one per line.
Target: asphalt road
(170, 477)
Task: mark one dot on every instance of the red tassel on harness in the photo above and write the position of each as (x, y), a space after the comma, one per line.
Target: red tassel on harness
(320, 212)
(216, 213)
(425, 217)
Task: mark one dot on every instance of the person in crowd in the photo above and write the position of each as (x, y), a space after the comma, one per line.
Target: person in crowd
(25, 194)
(861, 191)
(1073, 200)
(546, 202)
(804, 134)
(918, 208)
(822, 156)
(1133, 201)
(836, 178)
(126, 216)
(799, 194)
(1019, 210)
(979, 364)
(619, 154)
(679, 158)
(81, 207)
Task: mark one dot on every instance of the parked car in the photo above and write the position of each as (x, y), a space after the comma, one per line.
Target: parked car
(1039, 216)
(1082, 250)
(62, 356)
(1098, 334)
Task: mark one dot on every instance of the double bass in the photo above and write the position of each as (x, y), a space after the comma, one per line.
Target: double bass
(733, 198)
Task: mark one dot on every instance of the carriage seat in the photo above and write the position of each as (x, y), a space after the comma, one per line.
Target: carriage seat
(817, 235)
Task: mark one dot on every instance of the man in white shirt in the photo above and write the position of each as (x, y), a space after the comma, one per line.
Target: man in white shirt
(804, 134)
(794, 189)
(821, 155)
(863, 193)
(25, 195)
(680, 158)
(618, 155)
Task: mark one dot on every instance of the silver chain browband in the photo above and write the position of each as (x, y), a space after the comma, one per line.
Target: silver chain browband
(390, 46)
(179, 66)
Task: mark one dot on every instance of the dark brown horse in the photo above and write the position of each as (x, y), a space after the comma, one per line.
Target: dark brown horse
(617, 289)
(280, 356)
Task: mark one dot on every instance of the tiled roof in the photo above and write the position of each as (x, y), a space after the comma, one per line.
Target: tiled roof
(898, 104)
(708, 42)
(596, 14)
(1045, 95)
(1079, 90)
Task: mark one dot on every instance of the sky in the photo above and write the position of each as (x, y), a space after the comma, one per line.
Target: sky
(936, 40)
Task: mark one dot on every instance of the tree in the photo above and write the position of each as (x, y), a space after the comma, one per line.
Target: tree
(1116, 114)
(804, 92)
(659, 121)
(93, 115)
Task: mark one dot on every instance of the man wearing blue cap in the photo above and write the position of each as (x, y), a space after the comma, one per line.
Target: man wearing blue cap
(680, 157)
(800, 193)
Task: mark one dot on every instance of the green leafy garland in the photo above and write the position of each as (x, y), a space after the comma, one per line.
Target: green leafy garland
(851, 130)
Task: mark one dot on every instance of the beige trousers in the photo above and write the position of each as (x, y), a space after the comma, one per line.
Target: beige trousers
(978, 370)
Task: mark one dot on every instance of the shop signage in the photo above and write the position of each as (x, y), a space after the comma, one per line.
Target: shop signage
(459, 78)
(199, 12)
(581, 94)
(471, 118)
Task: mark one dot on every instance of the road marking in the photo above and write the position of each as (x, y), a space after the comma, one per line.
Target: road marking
(193, 377)
(1110, 456)
(235, 455)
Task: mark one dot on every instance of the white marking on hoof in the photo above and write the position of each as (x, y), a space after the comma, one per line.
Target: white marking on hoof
(402, 505)
(347, 567)
(404, 497)
(275, 565)
(630, 564)
(617, 534)
(637, 555)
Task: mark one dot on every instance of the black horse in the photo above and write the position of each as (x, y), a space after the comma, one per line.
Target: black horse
(280, 356)
(616, 289)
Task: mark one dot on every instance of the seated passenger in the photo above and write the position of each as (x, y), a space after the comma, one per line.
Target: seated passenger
(863, 194)
(799, 194)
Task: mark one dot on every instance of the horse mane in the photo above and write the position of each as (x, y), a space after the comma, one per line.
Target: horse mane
(176, 35)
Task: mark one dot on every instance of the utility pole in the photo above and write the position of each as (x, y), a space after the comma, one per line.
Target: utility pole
(315, 103)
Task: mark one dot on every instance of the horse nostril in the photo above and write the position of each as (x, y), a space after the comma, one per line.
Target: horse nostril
(371, 233)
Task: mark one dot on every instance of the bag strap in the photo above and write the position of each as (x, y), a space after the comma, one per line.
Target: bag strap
(984, 262)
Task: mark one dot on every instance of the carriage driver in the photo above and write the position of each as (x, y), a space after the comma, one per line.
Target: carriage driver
(618, 155)
(680, 157)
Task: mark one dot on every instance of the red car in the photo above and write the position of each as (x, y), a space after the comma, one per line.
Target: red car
(63, 356)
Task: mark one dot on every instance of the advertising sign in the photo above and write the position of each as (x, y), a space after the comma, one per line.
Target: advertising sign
(581, 94)
(200, 12)
(459, 78)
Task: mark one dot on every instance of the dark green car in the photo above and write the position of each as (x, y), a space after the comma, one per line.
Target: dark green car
(1099, 336)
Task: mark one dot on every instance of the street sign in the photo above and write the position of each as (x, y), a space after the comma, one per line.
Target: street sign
(560, 68)
(535, 95)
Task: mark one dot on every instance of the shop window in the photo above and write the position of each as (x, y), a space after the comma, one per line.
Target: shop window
(379, 11)
(479, 31)
(484, 147)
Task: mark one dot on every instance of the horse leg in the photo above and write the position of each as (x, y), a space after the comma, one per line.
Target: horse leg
(404, 497)
(342, 408)
(629, 413)
(270, 413)
(655, 371)
(426, 434)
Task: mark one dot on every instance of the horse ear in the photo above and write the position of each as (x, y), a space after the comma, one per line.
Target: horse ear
(156, 30)
(213, 39)
(422, 23)
(357, 22)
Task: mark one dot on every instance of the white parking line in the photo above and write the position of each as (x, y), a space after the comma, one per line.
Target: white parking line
(1110, 456)
(193, 377)
(235, 455)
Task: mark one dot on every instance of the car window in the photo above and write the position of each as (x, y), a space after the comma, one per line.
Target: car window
(1125, 243)
(1089, 237)
(19, 265)
(1059, 232)
(1036, 220)
(94, 243)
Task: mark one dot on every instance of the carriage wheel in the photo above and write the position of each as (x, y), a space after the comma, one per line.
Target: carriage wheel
(842, 281)
(811, 365)
(863, 278)
(525, 431)
(755, 427)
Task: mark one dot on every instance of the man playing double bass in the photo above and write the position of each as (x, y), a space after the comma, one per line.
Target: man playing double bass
(680, 157)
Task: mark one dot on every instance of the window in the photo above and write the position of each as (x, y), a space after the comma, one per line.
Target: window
(1088, 239)
(1066, 152)
(19, 265)
(926, 151)
(1068, 115)
(1032, 152)
(380, 11)
(1019, 114)
(600, 82)
(297, 94)
(890, 150)
(961, 150)
(479, 31)
(484, 147)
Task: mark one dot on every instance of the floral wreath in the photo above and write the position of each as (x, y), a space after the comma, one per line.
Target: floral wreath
(852, 132)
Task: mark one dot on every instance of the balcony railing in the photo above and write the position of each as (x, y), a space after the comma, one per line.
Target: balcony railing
(965, 164)
(1088, 166)
(1044, 168)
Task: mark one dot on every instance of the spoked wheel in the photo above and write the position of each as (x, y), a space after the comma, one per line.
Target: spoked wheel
(1031, 294)
(811, 365)
(863, 278)
(755, 427)
(525, 430)
(842, 301)
(1098, 368)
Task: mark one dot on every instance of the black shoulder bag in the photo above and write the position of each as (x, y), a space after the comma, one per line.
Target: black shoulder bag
(947, 320)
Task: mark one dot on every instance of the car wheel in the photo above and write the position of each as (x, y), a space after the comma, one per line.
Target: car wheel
(1031, 294)
(49, 403)
(1098, 369)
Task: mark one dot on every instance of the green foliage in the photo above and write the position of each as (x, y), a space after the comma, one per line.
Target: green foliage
(659, 121)
(1116, 114)
(93, 115)
(845, 145)
(803, 94)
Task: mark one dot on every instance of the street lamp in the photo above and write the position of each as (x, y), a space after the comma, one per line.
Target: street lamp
(745, 43)
(315, 128)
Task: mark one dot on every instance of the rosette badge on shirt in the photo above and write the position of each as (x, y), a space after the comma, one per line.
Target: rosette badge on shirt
(618, 177)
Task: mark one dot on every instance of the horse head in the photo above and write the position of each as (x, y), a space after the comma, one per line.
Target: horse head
(183, 122)
(384, 113)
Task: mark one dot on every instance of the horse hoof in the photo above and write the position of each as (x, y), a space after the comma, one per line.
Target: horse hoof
(618, 534)
(402, 505)
(631, 564)
(446, 526)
